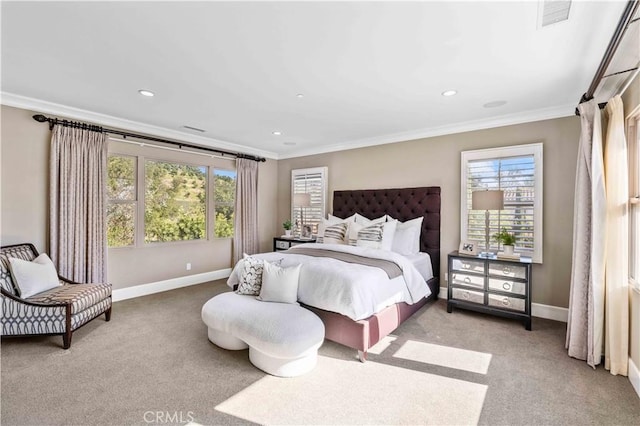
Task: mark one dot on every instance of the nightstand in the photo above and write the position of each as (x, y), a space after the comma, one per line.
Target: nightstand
(495, 286)
(281, 243)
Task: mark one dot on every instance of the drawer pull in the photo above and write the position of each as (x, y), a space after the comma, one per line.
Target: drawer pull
(506, 270)
(465, 295)
(466, 266)
(506, 286)
(505, 302)
(467, 280)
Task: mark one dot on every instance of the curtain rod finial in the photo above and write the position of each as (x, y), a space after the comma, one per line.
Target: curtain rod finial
(40, 118)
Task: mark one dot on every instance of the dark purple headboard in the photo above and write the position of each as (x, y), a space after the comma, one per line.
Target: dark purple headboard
(402, 204)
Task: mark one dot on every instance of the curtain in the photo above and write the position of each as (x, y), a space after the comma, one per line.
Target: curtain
(617, 291)
(77, 203)
(245, 238)
(586, 300)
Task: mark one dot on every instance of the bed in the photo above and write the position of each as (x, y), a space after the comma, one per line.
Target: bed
(361, 329)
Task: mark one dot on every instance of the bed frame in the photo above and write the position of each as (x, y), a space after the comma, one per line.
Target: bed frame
(402, 204)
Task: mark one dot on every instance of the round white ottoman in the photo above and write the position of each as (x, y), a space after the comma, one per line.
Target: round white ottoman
(283, 339)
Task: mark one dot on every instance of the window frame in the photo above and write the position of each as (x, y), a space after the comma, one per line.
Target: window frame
(633, 150)
(324, 176)
(135, 200)
(535, 149)
(215, 203)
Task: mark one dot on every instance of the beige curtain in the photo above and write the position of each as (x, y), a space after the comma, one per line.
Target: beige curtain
(617, 259)
(77, 203)
(245, 239)
(586, 301)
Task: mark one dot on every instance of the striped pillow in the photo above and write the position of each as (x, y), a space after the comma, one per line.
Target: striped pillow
(370, 236)
(332, 234)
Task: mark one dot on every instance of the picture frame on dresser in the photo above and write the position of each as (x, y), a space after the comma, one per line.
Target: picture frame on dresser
(469, 248)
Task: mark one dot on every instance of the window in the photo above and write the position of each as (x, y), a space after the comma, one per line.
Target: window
(175, 202)
(122, 200)
(311, 181)
(224, 186)
(634, 205)
(517, 170)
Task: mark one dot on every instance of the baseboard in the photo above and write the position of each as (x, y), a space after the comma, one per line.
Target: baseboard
(537, 309)
(171, 284)
(634, 376)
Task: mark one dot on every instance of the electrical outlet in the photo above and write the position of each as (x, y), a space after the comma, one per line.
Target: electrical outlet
(188, 266)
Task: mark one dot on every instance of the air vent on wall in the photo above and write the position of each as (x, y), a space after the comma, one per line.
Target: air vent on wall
(195, 129)
(552, 11)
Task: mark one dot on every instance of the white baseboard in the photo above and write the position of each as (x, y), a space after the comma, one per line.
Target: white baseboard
(537, 309)
(634, 376)
(171, 284)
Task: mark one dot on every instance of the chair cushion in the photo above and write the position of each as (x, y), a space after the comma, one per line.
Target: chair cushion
(81, 296)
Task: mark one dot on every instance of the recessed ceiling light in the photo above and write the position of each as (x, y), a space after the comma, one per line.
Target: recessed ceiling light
(449, 92)
(276, 133)
(494, 104)
(144, 92)
(299, 95)
(290, 143)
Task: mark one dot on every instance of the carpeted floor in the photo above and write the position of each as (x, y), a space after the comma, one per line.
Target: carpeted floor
(153, 364)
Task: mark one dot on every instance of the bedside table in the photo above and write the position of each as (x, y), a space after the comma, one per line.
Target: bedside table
(281, 243)
(495, 286)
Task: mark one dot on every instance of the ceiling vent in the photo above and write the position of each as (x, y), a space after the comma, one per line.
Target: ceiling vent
(552, 11)
(195, 129)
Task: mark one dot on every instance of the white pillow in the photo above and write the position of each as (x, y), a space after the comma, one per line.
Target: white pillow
(279, 284)
(335, 219)
(407, 237)
(332, 233)
(33, 277)
(365, 221)
(378, 235)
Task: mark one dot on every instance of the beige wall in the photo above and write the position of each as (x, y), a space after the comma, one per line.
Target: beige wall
(436, 162)
(631, 99)
(24, 209)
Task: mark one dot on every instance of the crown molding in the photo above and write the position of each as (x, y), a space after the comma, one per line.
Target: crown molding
(501, 121)
(18, 101)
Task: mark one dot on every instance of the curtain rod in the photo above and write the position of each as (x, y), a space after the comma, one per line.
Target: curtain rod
(66, 123)
(618, 35)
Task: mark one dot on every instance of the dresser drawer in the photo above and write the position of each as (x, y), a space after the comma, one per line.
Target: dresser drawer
(506, 302)
(282, 245)
(469, 280)
(467, 295)
(468, 265)
(509, 286)
(507, 270)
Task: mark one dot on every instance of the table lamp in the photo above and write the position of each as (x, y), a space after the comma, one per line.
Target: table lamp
(301, 200)
(491, 199)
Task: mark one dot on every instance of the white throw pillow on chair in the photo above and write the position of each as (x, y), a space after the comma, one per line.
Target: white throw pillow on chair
(279, 284)
(33, 277)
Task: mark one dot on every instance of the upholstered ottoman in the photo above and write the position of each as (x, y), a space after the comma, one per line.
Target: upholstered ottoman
(283, 339)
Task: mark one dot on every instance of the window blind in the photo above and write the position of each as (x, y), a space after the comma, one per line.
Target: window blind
(311, 181)
(516, 177)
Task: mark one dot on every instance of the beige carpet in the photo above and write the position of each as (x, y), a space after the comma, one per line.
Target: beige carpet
(341, 391)
(153, 364)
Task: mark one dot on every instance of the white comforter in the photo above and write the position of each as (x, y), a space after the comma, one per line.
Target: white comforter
(353, 290)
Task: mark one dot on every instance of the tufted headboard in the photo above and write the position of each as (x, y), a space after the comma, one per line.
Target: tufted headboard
(402, 204)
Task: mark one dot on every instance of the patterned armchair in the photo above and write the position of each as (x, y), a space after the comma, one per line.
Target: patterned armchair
(58, 311)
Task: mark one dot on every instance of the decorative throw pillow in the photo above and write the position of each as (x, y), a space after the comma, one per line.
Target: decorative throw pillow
(378, 236)
(250, 276)
(33, 277)
(279, 284)
(407, 237)
(332, 234)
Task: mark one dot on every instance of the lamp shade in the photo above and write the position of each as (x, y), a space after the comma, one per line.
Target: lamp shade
(487, 200)
(302, 200)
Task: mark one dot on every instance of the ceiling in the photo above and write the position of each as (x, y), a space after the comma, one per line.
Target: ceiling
(369, 73)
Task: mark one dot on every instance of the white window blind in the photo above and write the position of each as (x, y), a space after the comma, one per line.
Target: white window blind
(518, 172)
(634, 201)
(311, 181)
